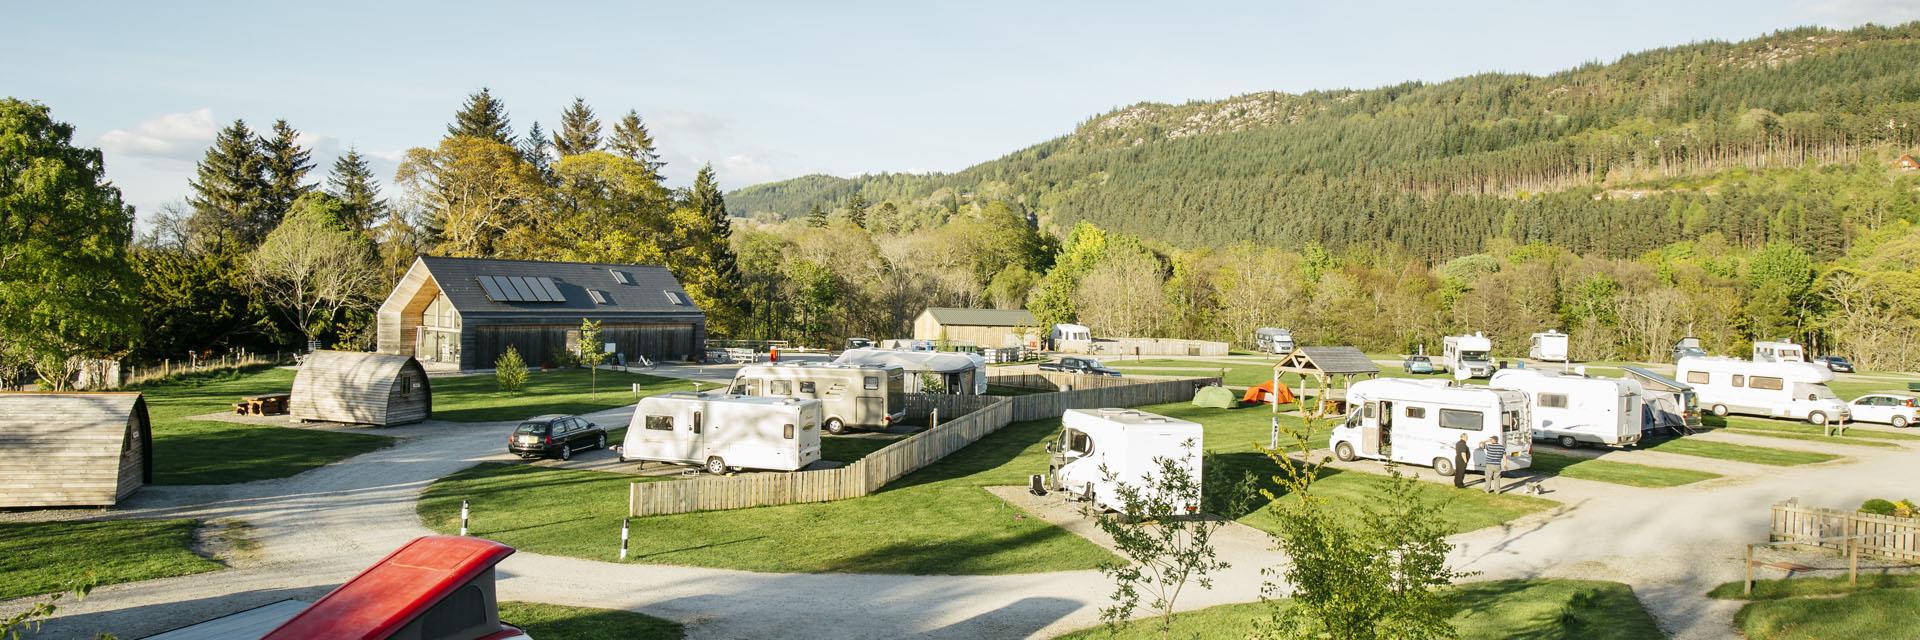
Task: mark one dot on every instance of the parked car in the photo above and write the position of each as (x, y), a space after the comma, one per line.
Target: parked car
(1835, 363)
(1418, 364)
(1897, 409)
(555, 435)
(1087, 366)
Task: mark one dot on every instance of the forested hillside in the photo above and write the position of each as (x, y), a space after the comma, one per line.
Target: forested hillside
(1602, 159)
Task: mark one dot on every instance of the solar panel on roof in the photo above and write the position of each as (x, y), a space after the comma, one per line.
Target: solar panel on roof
(526, 291)
(493, 290)
(553, 292)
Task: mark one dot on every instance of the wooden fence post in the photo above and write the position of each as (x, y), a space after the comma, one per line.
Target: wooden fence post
(1749, 583)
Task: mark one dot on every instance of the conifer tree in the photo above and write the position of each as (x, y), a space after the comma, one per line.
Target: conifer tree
(537, 150)
(632, 140)
(229, 191)
(287, 167)
(816, 217)
(857, 210)
(351, 181)
(483, 117)
(579, 130)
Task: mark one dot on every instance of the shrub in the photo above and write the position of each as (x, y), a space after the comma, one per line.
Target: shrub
(1878, 507)
(510, 371)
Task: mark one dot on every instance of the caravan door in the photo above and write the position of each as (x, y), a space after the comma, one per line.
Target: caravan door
(1370, 440)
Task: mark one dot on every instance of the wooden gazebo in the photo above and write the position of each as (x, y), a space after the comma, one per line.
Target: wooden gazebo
(1333, 368)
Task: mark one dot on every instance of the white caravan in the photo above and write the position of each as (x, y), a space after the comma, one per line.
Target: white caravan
(1126, 442)
(1273, 340)
(1791, 390)
(1550, 346)
(1472, 354)
(1070, 332)
(722, 432)
(851, 396)
(1574, 409)
(1778, 352)
(1418, 422)
(1671, 404)
(957, 373)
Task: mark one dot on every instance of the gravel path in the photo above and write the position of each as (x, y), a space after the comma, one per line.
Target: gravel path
(319, 528)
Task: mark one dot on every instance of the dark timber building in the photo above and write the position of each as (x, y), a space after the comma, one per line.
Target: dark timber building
(464, 312)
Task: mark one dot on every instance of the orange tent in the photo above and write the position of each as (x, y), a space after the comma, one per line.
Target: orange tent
(1263, 393)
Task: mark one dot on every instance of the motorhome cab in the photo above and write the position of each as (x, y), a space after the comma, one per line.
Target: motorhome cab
(722, 432)
(1791, 390)
(1273, 340)
(1128, 444)
(1550, 346)
(1778, 352)
(1472, 354)
(1418, 422)
(1575, 409)
(866, 396)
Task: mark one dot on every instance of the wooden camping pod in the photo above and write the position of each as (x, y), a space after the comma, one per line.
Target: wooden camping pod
(73, 449)
(361, 388)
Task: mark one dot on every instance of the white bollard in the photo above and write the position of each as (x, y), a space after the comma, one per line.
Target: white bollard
(623, 538)
(463, 518)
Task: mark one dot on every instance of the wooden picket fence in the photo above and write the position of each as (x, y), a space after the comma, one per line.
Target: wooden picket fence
(1885, 536)
(974, 417)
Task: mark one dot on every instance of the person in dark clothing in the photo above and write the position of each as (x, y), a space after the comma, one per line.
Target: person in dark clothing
(1461, 452)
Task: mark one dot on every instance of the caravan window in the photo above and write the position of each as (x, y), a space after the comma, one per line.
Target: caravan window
(1770, 384)
(1697, 377)
(1553, 400)
(1077, 442)
(1368, 411)
(1462, 419)
(1739, 380)
(873, 382)
(806, 387)
(696, 422)
(787, 431)
(745, 387)
(1417, 412)
(660, 423)
(779, 387)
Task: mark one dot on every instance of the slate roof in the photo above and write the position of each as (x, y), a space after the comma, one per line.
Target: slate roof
(1335, 360)
(645, 295)
(956, 317)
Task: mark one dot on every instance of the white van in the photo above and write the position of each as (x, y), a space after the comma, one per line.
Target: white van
(1418, 422)
(722, 432)
(1791, 390)
(1126, 442)
(851, 396)
(1472, 354)
(1782, 351)
(1273, 340)
(1574, 409)
(1550, 346)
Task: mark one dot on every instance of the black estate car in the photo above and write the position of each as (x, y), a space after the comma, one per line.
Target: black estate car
(555, 435)
(1835, 363)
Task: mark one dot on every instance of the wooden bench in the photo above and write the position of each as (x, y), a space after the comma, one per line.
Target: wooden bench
(271, 404)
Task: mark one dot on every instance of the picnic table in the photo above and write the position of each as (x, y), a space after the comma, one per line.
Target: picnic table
(271, 404)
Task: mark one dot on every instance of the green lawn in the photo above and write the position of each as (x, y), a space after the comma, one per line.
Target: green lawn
(211, 452)
(937, 520)
(477, 398)
(1538, 609)
(1738, 452)
(44, 557)
(1744, 424)
(1632, 475)
(1234, 437)
(584, 623)
(1873, 613)
(1780, 589)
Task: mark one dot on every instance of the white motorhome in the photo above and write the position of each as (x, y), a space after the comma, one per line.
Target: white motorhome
(851, 396)
(1790, 390)
(1472, 354)
(1574, 409)
(1070, 332)
(1127, 443)
(1778, 352)
(1418, 422)
(1273, 340)
(1550, 346)
(956, 373)
(723, 432)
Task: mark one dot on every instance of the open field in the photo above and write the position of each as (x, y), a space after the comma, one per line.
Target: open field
(208, 452)
(1738, 452)
(1632, 475)
(477, 398)
(1589, 610)
(937, 520)
(44, 557)
(586, 623)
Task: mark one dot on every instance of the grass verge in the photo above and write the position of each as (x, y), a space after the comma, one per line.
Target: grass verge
(189, 451)
(1632, 475)
(1866, 613)
(1739, 452)
(44, 557)
(585, 623)
(1495, 609)
(1744, 424)
(937, 520)
(477, 398)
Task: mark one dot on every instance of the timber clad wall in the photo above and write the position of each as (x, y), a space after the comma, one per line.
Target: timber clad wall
(361, 388)
(482, 345)
(983, 415)
(73, 449)
(1884, 536)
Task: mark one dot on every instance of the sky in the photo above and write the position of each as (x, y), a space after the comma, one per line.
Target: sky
(771, 90)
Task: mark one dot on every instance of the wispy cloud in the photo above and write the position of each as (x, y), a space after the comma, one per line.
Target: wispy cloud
(170, 136)
(1853, 13)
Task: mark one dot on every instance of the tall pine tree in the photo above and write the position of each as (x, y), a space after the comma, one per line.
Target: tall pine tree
(816, 217)
(287, 166)
(579, 130)
(718, 272)
(857, 210)
(483, 117)
(632, 140)
(361, 206)
(229, 192)
(538, 151)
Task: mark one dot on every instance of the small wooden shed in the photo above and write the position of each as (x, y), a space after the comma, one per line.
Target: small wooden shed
(361, 388)
(73, 449)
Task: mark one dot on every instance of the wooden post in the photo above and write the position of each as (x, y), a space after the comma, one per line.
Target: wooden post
(1749, 590)
(1853, 561)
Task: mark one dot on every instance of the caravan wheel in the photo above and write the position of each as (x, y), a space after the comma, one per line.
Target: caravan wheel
(1569, 442)
(1443, 466)
(1343, 451)
(836, 427)
(1817, 418)
(1720, 410)
(716, 466)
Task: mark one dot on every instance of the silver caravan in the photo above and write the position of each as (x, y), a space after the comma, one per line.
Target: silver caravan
(955, 373)
(1575, 409)
(1418, 422)
(851, 396)
(1273, 340)
(724, 432)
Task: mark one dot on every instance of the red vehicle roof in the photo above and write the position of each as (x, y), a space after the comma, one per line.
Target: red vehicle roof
(395, 590)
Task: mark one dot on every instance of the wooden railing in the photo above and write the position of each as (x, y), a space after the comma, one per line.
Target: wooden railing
(974, 417)
(1885, 536)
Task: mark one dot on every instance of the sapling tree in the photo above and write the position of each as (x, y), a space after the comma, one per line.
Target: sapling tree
(510, 371)
(1165, 542)
(591, 353)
